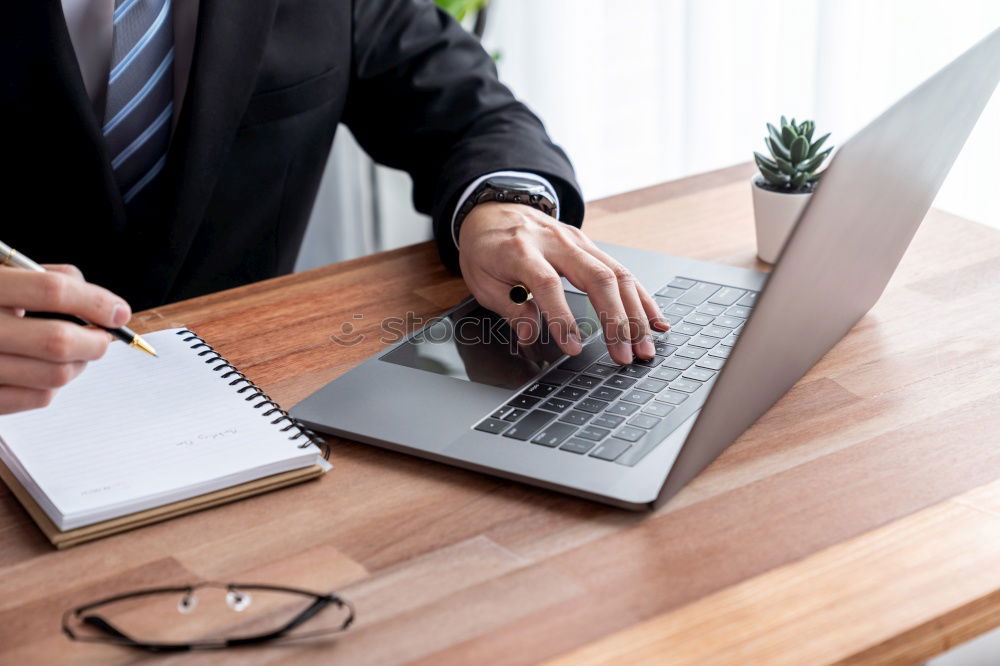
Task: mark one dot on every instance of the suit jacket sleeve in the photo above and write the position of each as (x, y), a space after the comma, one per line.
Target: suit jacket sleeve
(425, 98)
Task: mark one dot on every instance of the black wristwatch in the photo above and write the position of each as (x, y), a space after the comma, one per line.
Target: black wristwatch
(507, 189)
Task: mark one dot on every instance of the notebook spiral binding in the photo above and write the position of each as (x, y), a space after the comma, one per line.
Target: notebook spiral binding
(299, 429)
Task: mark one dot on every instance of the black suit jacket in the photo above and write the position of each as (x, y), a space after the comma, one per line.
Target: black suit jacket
(269, 83)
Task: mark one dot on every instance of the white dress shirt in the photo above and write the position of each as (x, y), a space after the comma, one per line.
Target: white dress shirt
(90, 27)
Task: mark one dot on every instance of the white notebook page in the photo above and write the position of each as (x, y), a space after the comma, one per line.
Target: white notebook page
(134, 432)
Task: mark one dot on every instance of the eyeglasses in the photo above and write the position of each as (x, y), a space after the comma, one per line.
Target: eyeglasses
(174, 619)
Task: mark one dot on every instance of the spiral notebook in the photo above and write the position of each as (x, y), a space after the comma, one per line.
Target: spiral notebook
(136, 439)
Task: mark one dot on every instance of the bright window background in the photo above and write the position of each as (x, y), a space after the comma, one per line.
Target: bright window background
(643, 91)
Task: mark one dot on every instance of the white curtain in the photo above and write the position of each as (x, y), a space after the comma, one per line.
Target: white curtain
(642, 91)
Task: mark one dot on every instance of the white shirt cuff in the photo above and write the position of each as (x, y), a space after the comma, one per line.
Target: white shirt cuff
(510, 174)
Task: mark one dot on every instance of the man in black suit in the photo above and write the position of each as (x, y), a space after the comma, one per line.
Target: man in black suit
(172, 148)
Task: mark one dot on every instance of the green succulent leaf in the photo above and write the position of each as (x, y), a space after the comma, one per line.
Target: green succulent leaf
(787, 135)
(779, 179)
(809, 127)
(810, 164)
(784, 121)
(817, 144)
(800, 149)
(777, 149)
(814, 177)
(764, 162)
(799, 179)
(785, 165)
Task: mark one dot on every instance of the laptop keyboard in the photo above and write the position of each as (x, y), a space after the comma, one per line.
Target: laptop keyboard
(589, 405)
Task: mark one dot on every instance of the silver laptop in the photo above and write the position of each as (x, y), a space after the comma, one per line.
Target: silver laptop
(459, 391)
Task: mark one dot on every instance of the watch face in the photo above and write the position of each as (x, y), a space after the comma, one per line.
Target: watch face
(519, 184)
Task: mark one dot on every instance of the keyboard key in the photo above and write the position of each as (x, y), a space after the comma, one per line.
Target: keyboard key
(633, 371)
(739, 311)
(649, 362)
(727, 296)
(556, 377)
(682, 283)
(575, 417)
(672, 397)
(556, 405)
(575, 445)
(539, 390)
(717, 331)
(622, 409)
(610, 450)
(690, 352)
(704, 341)
(685, 385)
(712, 309)
(678, 309)
(553, 434)
(593, 433)
(699, 374)
(673, 318)
(651, 385)
(644, 421)
(666, 374)
(620, 382)
(657, 409)
(573, 393)
(605, 393)
(492, 426)
(731, 340)
(671, 291)
(685, 328)
(590, 353)
(728, 321)
(630, 434)
(699, 319)
(697, 294)
(664, 349)
(523, 401)
(509, 414)
(662, 302)
(529, 425)
(679, 363)
(711, 362)
(749, 300)
(677, 339)
(607, 421)
(591, 405)
(720, 351)
(585, 381)
(601, 370)
(638, 397)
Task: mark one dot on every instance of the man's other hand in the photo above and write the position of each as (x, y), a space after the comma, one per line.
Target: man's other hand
(506, 244)
(37, 356)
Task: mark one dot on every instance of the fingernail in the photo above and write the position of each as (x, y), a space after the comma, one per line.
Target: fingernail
(574, 342)
(622, 353)
(646, 348)
(120, 315)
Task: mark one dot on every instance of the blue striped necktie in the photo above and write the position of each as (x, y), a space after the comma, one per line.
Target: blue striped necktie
(140, 93)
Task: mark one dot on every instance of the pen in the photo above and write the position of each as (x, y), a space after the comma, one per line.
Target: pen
(12, 257)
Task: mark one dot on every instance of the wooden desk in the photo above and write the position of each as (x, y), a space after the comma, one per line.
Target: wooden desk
(858, 521)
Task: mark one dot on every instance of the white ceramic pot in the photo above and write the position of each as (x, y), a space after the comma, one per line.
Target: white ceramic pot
(774, 214)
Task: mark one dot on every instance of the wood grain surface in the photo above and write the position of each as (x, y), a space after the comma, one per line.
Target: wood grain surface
(867, 470)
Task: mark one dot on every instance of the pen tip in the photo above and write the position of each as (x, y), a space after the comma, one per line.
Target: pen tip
(139, 343)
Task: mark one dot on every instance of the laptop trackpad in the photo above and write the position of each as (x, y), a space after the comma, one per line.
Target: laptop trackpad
(476, 345)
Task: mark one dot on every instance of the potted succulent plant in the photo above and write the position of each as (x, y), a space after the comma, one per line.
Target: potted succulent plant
(785, 182)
